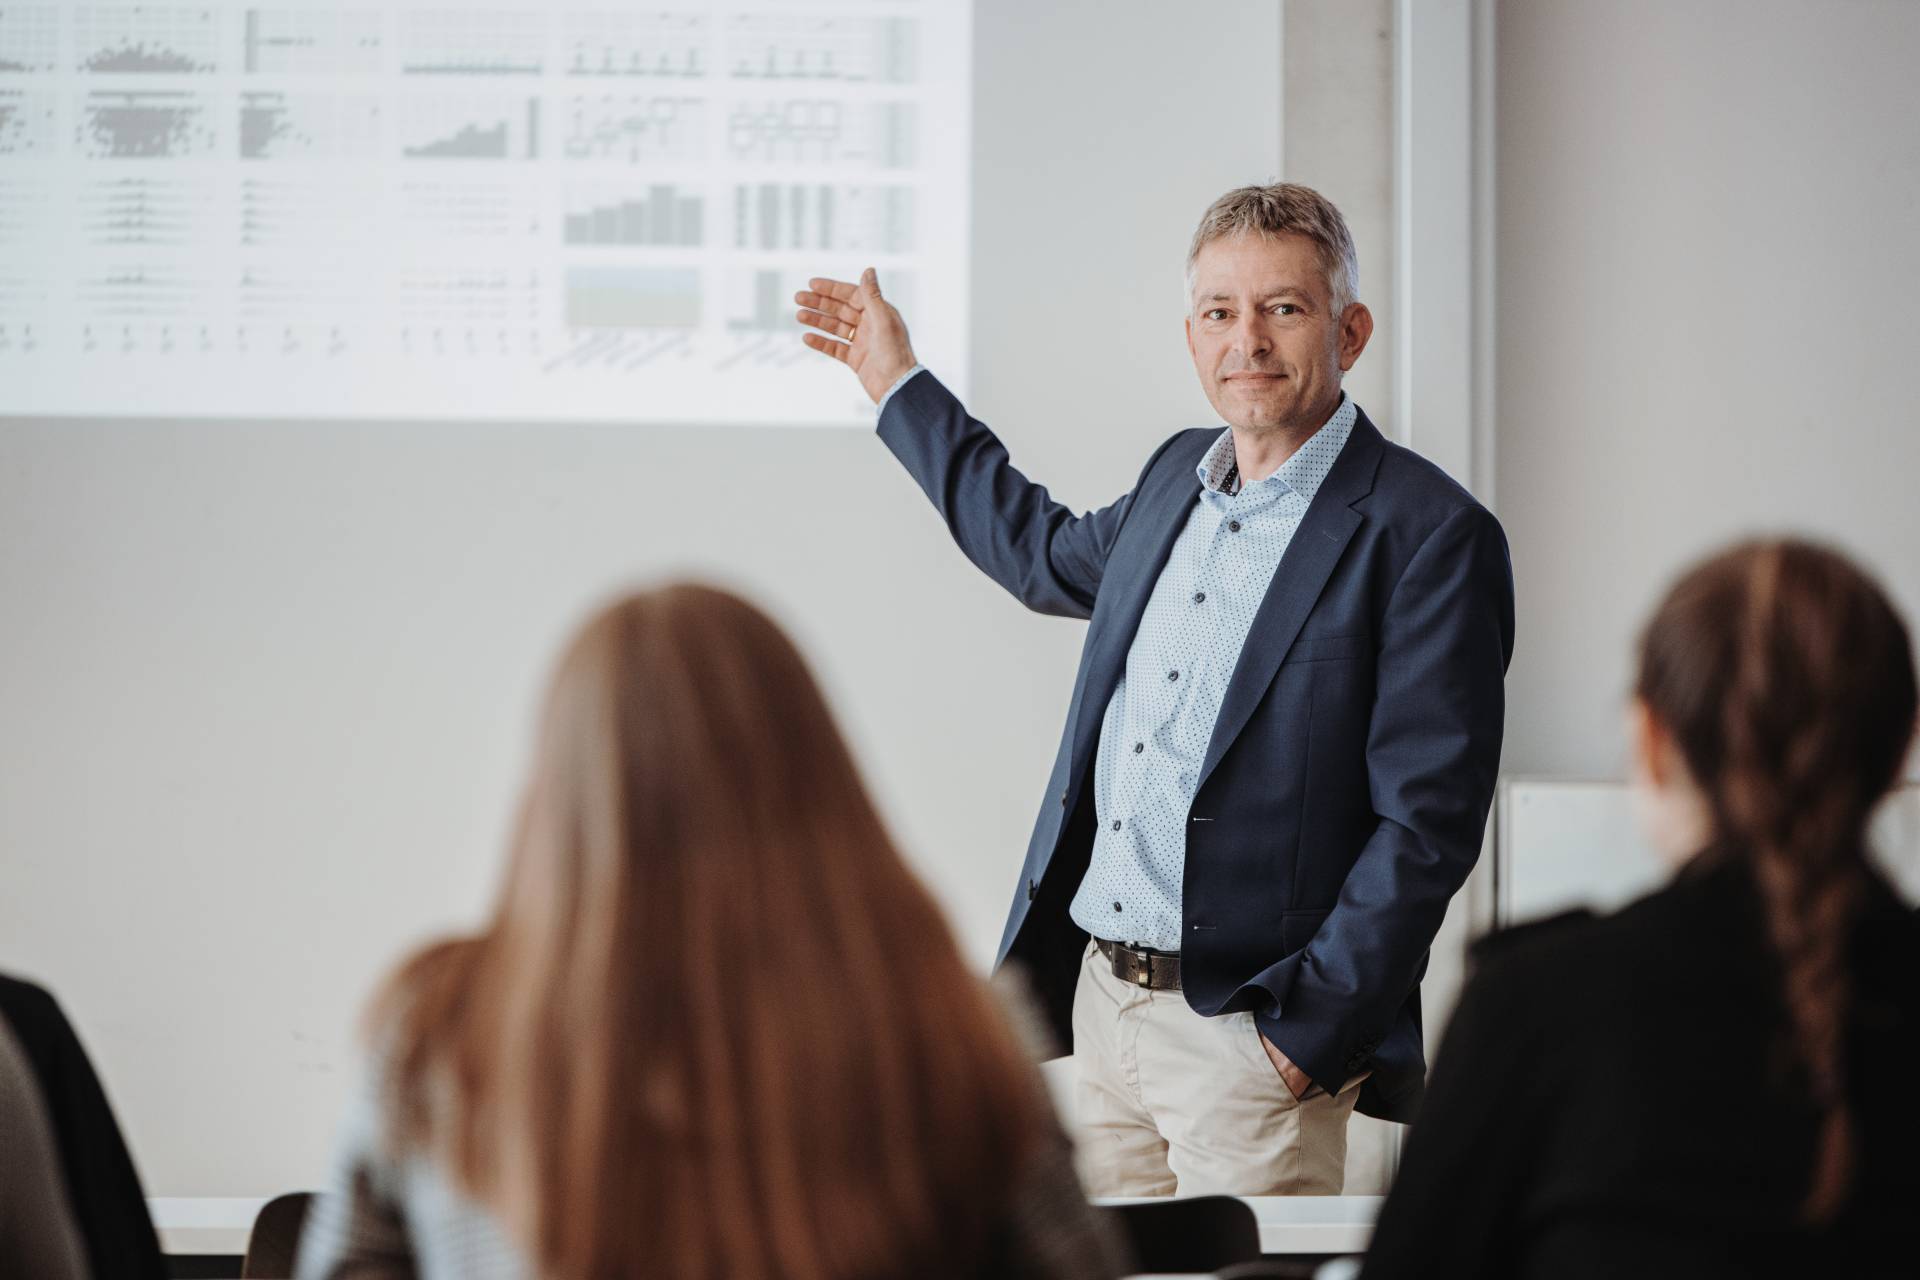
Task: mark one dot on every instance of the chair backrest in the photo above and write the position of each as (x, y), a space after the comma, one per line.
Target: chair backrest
(275, 1239)
(1203, 1233)
(1276, 1269)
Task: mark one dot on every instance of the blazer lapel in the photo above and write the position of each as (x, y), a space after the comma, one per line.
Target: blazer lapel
(1309, 561)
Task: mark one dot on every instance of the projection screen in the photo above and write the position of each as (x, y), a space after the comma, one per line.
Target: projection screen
(404, 211)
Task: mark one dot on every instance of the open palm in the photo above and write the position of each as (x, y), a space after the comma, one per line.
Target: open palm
(857, 327)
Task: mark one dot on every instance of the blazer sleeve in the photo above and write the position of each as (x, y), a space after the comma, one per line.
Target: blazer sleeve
(1471, 1155)
(1433, 756)
(1011, 528)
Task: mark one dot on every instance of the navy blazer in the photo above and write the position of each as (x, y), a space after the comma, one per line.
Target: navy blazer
(1344, 793)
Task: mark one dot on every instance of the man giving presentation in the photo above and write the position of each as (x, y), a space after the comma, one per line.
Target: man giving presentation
(1284, 732)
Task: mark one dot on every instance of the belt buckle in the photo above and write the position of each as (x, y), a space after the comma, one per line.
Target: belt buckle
(1143, 973)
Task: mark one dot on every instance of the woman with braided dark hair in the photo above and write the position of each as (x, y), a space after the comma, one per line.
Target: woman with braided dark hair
(1715, 1081)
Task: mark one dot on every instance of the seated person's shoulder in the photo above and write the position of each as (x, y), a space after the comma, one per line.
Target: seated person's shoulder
(1689, 922)
(1548, 963)
(31, 1008)
(27, 993)
(1533, 942)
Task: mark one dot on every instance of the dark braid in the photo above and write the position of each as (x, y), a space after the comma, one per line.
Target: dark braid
(1806, 834)
(1786, 679)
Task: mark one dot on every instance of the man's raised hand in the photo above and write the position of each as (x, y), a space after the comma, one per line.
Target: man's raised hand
(857, 327)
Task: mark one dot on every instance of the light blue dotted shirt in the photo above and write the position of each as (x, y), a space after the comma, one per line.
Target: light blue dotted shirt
(1157, 726)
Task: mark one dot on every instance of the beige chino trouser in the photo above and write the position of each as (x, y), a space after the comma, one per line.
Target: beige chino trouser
(1173, 1103)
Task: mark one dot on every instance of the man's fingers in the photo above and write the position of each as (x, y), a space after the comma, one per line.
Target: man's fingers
(822, 303)
(838, 290)
(826, 346)
(838, 328)
(870, 281)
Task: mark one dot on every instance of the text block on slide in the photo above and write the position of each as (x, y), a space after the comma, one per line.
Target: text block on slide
(547, 211)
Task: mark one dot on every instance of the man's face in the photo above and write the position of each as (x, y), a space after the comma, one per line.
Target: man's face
(1265, 342)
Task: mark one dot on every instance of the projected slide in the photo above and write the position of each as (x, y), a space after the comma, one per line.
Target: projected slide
(537, 211)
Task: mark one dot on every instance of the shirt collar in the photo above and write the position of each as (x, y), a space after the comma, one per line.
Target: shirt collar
(1304, 472)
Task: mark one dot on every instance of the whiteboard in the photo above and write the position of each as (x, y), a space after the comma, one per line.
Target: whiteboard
(1561, 845)
(416, 210)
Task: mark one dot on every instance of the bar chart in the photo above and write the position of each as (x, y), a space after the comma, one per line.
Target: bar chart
(439, 127)
(823, 216)
(663, 217)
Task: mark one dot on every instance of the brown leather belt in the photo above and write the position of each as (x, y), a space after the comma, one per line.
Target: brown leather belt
(1142, 966)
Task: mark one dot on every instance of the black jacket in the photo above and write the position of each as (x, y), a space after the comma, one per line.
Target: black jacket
(1615, 1097)
(102, 1186)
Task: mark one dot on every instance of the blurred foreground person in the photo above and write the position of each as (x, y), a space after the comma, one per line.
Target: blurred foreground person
(715, 1027)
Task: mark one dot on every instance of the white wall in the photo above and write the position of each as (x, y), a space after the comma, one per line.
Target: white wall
(1339, 141)
(1564, 845)
(264, 688)
(1706, 259)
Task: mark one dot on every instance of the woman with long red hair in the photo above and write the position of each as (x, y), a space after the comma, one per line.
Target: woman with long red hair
(715, 1026)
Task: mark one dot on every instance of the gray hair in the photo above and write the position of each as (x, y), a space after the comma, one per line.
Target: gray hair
(1285, 208)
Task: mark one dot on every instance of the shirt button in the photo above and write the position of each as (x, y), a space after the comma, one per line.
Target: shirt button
(1116, 824)
(1116, 906)
(1199, 597)
(1234, 525)
(1063, 799)
(1173, 675)
(1138, 747)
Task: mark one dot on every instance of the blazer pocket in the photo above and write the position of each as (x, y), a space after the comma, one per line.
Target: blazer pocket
(1298, 927)
(1330, 648)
